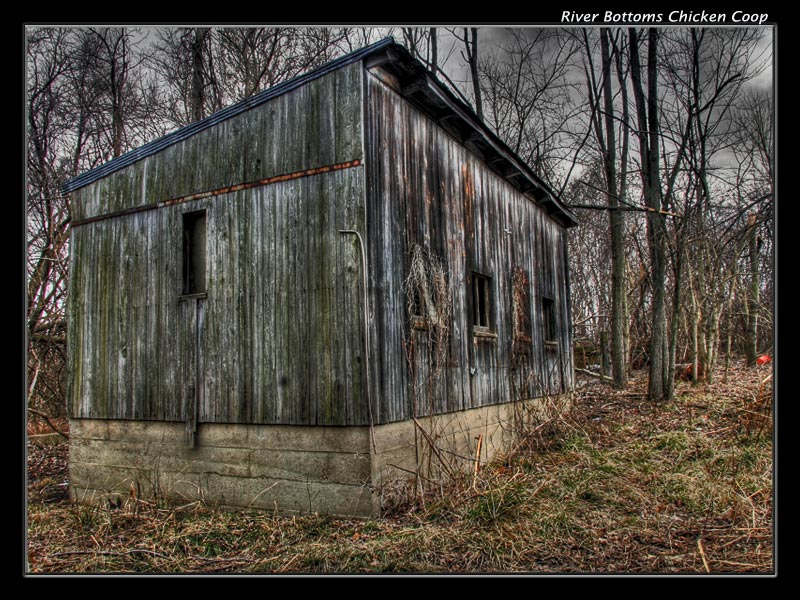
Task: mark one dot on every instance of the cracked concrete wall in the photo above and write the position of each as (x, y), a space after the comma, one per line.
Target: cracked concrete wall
(291, 469)
(423, 446)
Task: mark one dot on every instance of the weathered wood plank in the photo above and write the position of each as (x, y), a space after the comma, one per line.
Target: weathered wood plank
(296, 411)
(259, 283)
(352, 217)
(281, 306)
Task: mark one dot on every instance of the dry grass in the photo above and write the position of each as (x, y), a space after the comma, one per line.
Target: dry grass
(617, 486)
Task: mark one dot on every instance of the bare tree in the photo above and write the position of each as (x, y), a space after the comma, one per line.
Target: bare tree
(470, 55)
(113, 62)
(705, 75)
(49, 63)
(647, 110)
(199, 37)
(256, 58)
(753, 127)
(590, 264)
(529, 99)
(186, 62)
(434, 46)
(615, 184)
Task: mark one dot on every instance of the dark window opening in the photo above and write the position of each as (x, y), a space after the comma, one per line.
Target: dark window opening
(194, 252)
(481, 301)
(549, 320)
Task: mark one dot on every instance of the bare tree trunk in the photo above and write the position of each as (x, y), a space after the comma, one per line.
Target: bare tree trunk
(618, 236)
(434, 46)
(696, 318)
(729, 341)
(410, 39)
(616, 219)
(471, 44)
(114, 67)
(198, 79)
(751, 342)
(712, 343)
(673, 334)
(647, 111)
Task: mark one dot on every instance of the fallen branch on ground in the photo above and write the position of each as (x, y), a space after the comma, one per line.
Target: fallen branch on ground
(593, 374)
(49, 422)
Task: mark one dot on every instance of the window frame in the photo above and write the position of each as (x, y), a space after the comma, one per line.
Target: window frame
(482, 300)
(549, 321)
(194, 233)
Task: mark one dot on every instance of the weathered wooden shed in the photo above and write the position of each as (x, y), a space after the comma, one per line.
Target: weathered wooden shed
(307, 296)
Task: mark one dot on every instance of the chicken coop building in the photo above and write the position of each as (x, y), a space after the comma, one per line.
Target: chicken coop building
(312, 295)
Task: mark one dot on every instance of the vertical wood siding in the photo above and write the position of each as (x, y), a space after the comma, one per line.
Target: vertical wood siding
(280, 340)
(425, 188)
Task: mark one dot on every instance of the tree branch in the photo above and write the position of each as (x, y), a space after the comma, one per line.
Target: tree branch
(626, 209)
(48, 421)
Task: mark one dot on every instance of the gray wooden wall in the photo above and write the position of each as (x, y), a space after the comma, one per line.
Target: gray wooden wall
(278, 338)
(425, 188)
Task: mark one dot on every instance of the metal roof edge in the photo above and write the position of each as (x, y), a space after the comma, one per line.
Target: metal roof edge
(150, 148)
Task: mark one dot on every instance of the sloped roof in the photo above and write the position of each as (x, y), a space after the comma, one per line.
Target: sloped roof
(416, 84)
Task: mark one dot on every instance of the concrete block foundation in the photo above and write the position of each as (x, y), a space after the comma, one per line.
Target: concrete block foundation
(341, 471)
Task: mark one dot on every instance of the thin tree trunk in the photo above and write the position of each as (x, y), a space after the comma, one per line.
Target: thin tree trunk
(712, 343)
(673, 335)
(434, 46)
(729, 343)
(647, 110)
(471, 43)
(696, 317)
(751, 342)
(616, 221)
(605, 359)
(623, 187)
(198, 83)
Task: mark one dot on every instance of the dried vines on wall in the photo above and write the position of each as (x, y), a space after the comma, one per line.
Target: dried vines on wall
(429, 298)
(429, 302)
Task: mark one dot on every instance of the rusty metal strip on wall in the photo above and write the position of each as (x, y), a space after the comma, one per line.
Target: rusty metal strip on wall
(219, 191)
